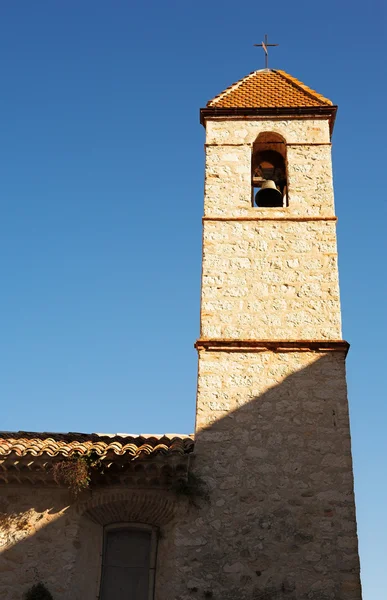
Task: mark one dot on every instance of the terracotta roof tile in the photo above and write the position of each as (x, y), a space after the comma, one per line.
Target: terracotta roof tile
(268, 88)
(67, 444)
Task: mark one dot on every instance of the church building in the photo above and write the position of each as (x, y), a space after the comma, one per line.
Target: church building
(258, 504)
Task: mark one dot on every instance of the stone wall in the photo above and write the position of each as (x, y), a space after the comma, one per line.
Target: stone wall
(273, 446)
(269, 273)
(270, 280)
(272, 429)
(228, 168)
(245, 131)
(38, 533)
(47, 536)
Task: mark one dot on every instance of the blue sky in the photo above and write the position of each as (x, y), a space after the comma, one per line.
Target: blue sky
(101, 187)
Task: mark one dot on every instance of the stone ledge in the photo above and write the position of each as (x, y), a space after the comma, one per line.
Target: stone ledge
(268, 218)
(286, 144)
(307, 112)
(231, 345)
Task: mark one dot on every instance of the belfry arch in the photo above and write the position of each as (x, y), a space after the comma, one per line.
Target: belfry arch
(269, 171)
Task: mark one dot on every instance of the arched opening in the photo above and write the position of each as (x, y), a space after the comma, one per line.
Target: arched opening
(268, 171)
(114, 525)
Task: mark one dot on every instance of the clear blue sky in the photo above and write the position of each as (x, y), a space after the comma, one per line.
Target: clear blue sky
(101, 187)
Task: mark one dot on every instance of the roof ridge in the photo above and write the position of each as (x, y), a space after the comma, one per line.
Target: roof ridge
(231, 88)
(16, 447)
(297, 83)
(73, 434)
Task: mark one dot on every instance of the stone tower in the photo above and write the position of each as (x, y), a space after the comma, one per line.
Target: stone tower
(272, 429)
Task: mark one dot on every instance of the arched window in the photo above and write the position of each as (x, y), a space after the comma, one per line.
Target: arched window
(268, 171)
(128, 562)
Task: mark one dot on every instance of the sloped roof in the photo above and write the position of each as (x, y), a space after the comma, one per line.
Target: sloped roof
(21, 444)
(268, 88)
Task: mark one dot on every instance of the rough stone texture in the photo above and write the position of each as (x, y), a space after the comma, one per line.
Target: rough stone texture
(273, 446)
(270, 280)
(47, 536)
(272, 430)
(228, 168)
(37, 535)
(304, 131)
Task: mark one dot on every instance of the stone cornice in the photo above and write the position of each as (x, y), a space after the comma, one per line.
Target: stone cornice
(157, 472)
(288, 144)
(309, 112)
(231, 345)
(268, 218)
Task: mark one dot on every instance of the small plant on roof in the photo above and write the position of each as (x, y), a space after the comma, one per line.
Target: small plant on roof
(38, 592)
(193, 487)
(76, 472)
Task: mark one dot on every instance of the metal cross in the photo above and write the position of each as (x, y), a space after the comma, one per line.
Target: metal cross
(265, 45)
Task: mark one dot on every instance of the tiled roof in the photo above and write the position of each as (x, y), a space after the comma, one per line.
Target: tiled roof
(268, 88)
(22, 444)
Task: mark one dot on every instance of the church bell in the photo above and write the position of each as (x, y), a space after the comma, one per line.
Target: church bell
(268, 195)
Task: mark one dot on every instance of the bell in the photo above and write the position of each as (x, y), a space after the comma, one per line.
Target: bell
(268, 195)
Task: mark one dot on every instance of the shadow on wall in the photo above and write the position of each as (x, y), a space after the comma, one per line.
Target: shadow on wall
(279, 522)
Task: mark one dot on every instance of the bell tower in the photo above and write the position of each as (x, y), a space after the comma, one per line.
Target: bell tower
(272, 428)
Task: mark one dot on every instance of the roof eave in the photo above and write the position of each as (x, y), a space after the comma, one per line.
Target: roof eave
(328, 112)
